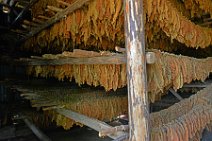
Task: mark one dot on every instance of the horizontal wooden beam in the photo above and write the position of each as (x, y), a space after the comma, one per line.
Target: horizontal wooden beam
(195, 86)
(82, 57)
(90, 122)
(76, 5)
(198, 84)
(115, 59)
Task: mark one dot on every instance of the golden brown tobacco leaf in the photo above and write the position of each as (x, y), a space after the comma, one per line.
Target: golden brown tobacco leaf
(184, 120)
(177, 26)
(169, 71)
(193, 5)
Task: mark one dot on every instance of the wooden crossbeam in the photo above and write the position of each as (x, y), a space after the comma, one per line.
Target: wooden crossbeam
(76, 5)
(115, 59)
(175, 94)
(82, 57)
(90, 122)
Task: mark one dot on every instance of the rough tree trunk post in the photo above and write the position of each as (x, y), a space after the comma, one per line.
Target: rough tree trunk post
(136, 71)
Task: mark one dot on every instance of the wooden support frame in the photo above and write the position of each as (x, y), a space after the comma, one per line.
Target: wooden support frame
(63, 3)
(53, 8)
(136, 71)
(82, 57)
(90, 122)
(43, 17)
(115, 59)
(175, 94)
(76, 5)
(36, 131)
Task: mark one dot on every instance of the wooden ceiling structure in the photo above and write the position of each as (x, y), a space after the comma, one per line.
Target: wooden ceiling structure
(66, 28)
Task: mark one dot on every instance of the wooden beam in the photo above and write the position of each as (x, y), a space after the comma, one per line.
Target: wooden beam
(43, 17)
(138, 105)
(175, 94)
(195, 85)
(108, 131)
(20, 15)
(26, 22)
(119, 49)
(76, 5)
(63, 3)
(19, 6)
(53, 8)
(25, 27)
(37, 20)
(90, 122)
(41, 136)
(82, 57)
(115, 59)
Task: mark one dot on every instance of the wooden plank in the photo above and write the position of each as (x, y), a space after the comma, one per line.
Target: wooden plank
(43, 17)
(112, 130)
(115, 59)
(76, 5)
(82, 58)
(26, 22)
(53, 8)
(90, 122)
(195, 85)
(36, 131)
(37, 20)
(175, 94)
(138, 105)
(63, 3)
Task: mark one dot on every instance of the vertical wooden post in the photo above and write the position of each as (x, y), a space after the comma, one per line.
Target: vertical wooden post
(136, 71)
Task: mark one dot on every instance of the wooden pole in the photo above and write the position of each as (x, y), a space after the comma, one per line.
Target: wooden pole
(136, 71)
(74, 6)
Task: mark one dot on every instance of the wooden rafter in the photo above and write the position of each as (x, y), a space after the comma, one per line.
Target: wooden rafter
(76, 5)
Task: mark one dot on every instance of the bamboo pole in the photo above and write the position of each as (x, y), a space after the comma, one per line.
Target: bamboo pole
(136, 71)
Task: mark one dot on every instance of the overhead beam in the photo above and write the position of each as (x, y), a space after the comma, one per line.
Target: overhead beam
(76, 5)
(138, 105)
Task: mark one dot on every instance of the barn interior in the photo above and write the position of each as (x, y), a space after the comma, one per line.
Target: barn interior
(63, 66)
